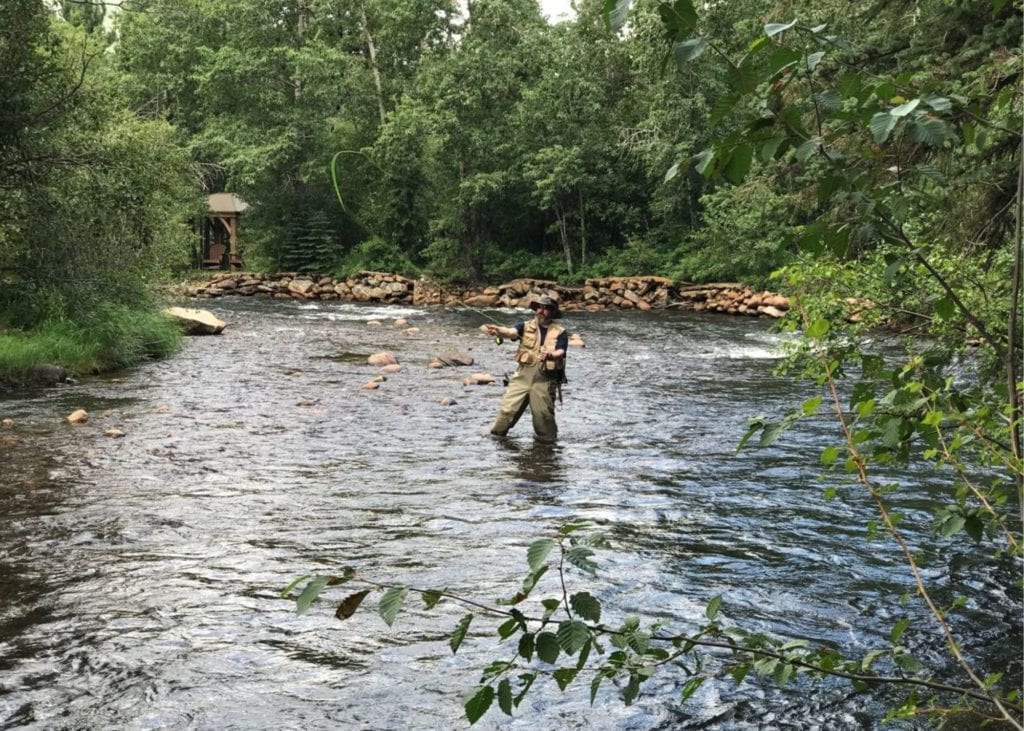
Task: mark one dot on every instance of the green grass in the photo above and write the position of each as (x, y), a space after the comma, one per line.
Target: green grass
(110, 338)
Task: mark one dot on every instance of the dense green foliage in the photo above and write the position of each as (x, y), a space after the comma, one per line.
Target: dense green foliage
(94, 201)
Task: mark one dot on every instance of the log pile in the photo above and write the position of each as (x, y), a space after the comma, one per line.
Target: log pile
(616, 293)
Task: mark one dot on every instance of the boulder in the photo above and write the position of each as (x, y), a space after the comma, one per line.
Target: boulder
(454, 358)
(78, 416)
(47, 375)
(478, 379)
(196, 322)
(382, 359)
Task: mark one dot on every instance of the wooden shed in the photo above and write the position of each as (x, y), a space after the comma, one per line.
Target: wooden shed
(219, 246)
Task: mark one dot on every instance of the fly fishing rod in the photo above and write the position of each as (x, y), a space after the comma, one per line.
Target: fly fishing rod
(497, 338)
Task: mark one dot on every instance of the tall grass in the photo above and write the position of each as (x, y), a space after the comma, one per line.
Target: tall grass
(108, 338)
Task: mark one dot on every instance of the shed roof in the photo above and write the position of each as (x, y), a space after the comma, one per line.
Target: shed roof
(225, 203)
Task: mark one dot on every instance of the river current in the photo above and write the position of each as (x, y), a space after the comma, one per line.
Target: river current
(140, 576)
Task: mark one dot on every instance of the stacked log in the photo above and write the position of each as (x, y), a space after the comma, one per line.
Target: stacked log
(618, 293)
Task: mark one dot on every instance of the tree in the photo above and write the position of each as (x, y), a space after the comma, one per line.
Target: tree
(87, 220)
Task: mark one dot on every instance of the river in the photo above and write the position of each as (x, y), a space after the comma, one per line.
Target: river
(140, 576)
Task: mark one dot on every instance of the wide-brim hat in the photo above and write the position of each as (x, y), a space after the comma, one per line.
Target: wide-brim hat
(547, 302)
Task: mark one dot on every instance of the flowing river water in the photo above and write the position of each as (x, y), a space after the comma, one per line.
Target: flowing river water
(140, 577)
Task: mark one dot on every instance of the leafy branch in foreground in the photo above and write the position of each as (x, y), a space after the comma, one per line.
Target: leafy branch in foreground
(561, 637)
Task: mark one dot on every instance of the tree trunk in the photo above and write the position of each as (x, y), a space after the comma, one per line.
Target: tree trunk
(372, 51)
(564, 235)
(300, 37)
(583, 234)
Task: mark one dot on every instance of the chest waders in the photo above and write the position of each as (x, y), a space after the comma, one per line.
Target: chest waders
(535, 384)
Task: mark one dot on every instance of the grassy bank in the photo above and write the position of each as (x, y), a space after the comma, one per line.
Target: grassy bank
(109, 339)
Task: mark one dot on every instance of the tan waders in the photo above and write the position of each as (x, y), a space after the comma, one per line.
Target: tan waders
(530, 386)
(534, 384)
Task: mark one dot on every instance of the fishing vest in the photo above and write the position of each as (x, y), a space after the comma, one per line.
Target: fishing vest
(530, 346)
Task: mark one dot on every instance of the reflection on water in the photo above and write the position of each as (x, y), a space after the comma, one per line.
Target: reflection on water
(139, 576)
(534, 461)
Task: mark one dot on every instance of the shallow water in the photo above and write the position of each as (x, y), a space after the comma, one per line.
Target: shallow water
(140, 577)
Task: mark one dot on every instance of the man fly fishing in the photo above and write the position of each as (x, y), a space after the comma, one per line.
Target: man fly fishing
(540, 373)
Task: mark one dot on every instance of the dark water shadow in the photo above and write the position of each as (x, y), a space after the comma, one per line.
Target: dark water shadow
(535, 461)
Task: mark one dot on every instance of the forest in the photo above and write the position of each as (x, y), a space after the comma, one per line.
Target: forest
(828, 150)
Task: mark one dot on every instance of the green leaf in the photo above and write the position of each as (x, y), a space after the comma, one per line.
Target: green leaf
(813, 59)
(783, 673)
(881, 125)
(615, 12)
(782, 58)
(702, 161)
(819, 328)
(898, 629)
(974, 527)
(904, 109)
(505, 696)
(564, 676)
(945, 309)
(632, 689)
(525, 649)
(690, 688)
(932, 132)
(939, 103)
(310, 593)
(739, 164)
(721, 108)
(829, 100)
(538, 553)
(572, 635)
(739, 672)
(689, 50)
(479, 703)
(829, 455)
(679, 18)
(288, 589)
(907, 662)
(810, 406)
(431, 597)
(931, 173)
(460, 633)
(952, 524)
(547, 647)
(508, 628)
(586, 606)
(672, 172)
(527, 680)
(391, 603)
(829, 493)
(574, 526)
(808, 148)
(596, 683)
(771, 434)
(350, 604)
(773, 29)
(771, 148)
(579, 556)
(711, 611)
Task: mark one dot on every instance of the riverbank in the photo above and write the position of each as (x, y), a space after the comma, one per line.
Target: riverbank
(606, 293)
